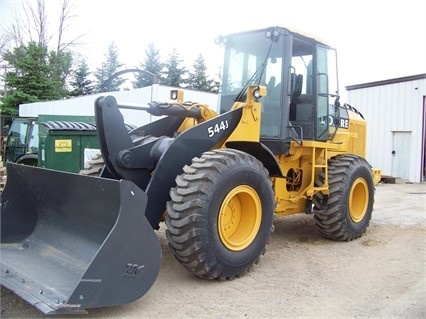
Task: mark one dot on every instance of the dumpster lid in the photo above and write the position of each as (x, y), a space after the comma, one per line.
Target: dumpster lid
(68, 126)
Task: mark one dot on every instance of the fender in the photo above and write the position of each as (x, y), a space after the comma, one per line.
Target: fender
(262, 153)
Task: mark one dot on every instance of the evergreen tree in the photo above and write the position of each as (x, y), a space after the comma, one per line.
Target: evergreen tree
(174, 73)
(110, 67)
(33, 77)
(80, 83)
(217, 81)
(151, 64)
(198, 79)
(215, 87)
(61, 63)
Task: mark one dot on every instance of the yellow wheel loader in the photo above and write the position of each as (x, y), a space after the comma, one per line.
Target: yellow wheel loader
(281, 144)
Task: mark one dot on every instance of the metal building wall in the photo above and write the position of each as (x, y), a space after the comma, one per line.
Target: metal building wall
(393, 107)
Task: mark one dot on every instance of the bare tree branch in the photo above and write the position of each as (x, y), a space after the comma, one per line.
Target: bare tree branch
(22, 21)
(15, 34)
(40, 18)
(64, 24)
(4, 45)
(31, 24)
(62, 20)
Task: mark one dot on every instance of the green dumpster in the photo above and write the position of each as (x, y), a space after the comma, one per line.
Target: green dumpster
(67, 145)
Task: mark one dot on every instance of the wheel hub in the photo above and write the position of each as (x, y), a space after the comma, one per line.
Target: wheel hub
(239, 218)
(358, 200)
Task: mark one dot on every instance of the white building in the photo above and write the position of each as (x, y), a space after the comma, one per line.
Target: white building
(85, 105)
(395, 111)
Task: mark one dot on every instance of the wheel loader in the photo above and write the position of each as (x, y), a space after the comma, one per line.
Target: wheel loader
(281, 144)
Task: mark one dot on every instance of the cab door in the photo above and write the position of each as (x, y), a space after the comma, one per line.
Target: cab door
(326, 93)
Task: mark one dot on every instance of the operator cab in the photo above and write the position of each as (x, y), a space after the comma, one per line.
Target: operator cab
(300, 74)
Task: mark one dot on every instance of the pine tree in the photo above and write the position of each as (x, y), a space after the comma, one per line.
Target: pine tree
(33, 77)
(110, 67)
(198, 79)
(151, 64)
(61, 63)
(80, 83)
(174, 73)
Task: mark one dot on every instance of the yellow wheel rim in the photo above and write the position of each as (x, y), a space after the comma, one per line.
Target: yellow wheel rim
(239, 218)
(358, 200)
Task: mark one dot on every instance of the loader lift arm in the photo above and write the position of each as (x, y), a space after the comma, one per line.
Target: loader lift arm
(153, 162)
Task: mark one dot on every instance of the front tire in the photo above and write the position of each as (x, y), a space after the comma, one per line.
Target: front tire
(220, 214)
(347, 213)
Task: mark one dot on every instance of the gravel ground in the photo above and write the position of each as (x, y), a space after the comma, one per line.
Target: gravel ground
(302, 275)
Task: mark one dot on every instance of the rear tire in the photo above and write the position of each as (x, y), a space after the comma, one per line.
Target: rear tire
(350, 204)
(220, 214)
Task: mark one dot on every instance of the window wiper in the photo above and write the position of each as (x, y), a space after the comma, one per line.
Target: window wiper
(259, 71)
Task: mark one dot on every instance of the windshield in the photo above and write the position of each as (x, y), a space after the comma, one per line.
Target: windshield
(250, 58)
(18, 133)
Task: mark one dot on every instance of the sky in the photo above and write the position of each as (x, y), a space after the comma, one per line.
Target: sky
(375, 40)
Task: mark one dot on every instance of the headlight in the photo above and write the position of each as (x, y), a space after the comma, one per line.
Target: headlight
(256, 93)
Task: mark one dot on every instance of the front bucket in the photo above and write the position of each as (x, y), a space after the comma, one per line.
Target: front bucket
(71, 242)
